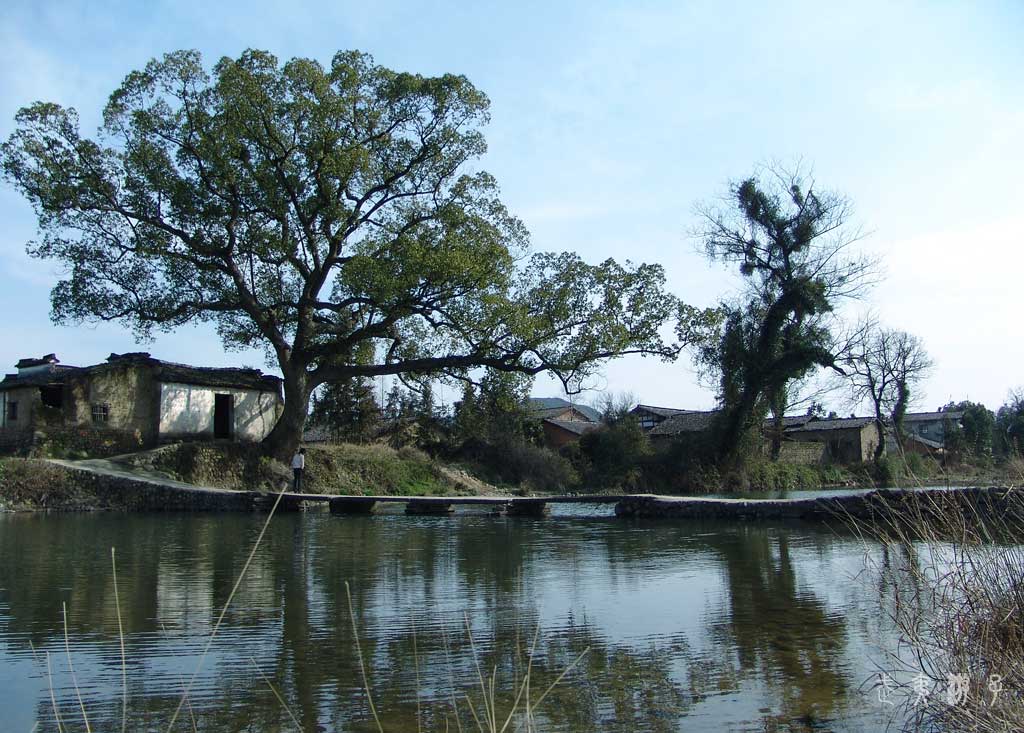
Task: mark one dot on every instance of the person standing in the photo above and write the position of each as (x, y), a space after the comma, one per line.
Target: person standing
(298, 466)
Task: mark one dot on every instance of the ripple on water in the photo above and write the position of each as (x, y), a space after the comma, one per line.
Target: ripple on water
(685, 624)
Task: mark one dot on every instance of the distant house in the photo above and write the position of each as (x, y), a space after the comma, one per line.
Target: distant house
(925, 431)
(806, 439)
(154, 400)
(555, 408)
(685, 422)
(562, 421)
(562, 432)
(837, 440)
(649, 416)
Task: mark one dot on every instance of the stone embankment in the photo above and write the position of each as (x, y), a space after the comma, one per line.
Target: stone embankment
(992, 501)
(103, 484)
(98, 485)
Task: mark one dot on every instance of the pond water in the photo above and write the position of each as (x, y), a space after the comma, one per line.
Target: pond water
(682, 625)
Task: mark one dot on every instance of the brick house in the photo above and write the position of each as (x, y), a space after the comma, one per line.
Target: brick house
(155, 401)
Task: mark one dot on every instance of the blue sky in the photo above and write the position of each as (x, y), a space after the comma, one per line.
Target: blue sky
(611, 121)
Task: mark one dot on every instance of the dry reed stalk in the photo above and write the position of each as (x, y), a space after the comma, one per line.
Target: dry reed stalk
(120, 634)
(71, 666)
(359, 653)
(957, 603)
(298, 725)
(53, 698)
(224, 610)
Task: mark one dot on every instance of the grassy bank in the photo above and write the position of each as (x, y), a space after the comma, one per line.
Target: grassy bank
(362, 470)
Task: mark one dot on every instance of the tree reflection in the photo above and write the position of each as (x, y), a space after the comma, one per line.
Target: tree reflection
(431, 598)
(782, 634)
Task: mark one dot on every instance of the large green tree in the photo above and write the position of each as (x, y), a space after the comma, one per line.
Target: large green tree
(314, 211)
(971, 435)
(1009, 432)
(793, 246)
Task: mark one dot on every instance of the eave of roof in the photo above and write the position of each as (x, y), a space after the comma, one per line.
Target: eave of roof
(579, 427)
(55, 374)
(929, 416)
(687, 422)
(661, 411)
(842, 423)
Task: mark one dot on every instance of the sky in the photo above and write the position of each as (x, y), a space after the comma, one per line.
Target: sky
(609, 123)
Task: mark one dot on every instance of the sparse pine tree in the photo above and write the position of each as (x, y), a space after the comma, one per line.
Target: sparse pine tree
(348, 410)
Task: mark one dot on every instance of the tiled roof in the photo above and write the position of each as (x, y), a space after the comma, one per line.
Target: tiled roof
(929, 416)
(933, 444)
(29, 362)
(694, 421)
(165, 371)
(686, 422)
(841, 423)
(660, 411)
(542, 407)
(579, 427)
(54, 374)
(169, 371)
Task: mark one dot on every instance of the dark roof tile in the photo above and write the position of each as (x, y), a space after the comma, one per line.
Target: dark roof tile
(687, 422)
(579, 427)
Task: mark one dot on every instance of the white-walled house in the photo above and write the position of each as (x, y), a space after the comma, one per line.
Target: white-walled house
(155, 401)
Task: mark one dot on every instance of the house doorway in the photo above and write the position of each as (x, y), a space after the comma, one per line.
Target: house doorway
(223, 407)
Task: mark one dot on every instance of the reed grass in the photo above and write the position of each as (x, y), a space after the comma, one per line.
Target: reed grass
(951, 570)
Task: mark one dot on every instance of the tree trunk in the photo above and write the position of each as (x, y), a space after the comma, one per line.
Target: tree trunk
(733, 425)
(880, 448)
(778, 428)
(282, 442)
(899, 411)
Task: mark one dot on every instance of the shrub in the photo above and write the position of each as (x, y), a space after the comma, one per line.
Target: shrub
(533, 467)
(613, 456)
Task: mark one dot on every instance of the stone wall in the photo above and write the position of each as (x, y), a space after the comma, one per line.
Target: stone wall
(844, 445)
(995, 501)
(78, 441)
(806, 454)
(94, 490)
(128, 391)
(30, 404)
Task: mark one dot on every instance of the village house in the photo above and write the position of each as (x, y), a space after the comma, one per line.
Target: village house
(650, 416)
(555, 408)
(925, 432)
(685, 422)
(806, 439)
(830, 440)
(152, 400)
(562, 421)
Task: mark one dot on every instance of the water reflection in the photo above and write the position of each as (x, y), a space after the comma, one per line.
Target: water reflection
(683, 624)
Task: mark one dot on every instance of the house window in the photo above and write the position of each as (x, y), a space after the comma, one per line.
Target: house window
(12, 410)
(100, 412)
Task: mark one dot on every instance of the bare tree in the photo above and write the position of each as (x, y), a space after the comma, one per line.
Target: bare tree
(613, 406)
(884, 366)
